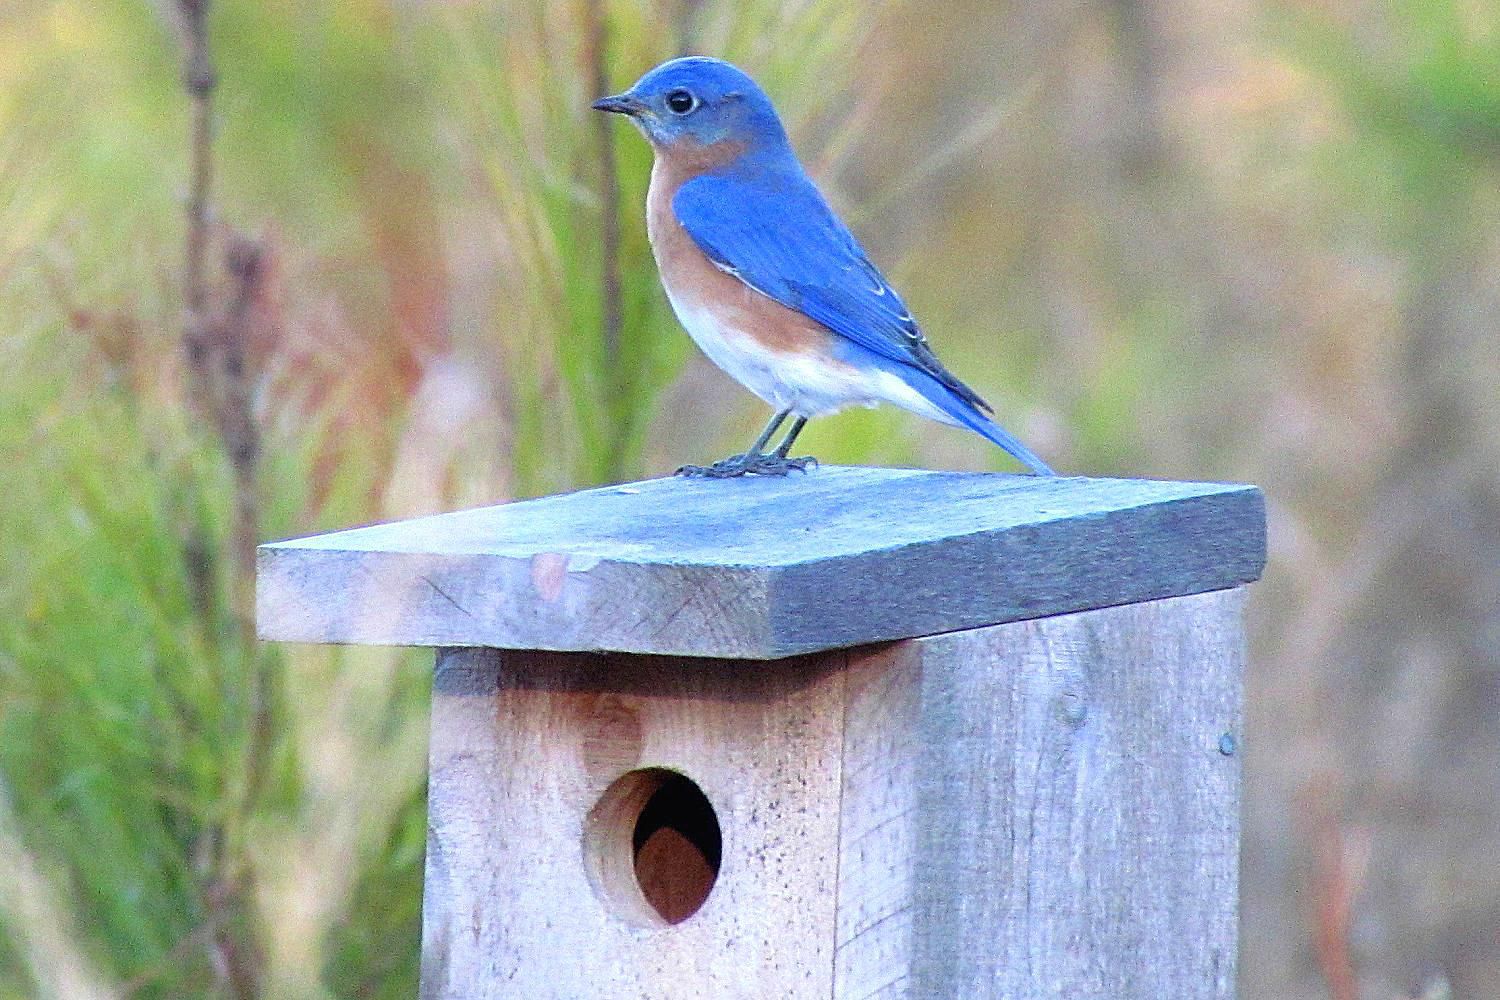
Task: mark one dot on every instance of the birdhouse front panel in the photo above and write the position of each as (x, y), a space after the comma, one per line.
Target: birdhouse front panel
(632, 826)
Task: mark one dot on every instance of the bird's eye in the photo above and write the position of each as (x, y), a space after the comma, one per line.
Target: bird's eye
(680, 102)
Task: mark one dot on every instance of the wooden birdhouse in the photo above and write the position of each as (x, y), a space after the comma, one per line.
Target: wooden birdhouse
(859, 733)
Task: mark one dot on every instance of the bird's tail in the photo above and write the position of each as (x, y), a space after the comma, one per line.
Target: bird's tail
(988, 429)
(965, 414)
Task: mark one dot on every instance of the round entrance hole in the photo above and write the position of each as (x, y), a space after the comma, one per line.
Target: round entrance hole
(652, 846)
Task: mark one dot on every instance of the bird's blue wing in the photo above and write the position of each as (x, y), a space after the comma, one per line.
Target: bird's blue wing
(784, 241)
(780, 237)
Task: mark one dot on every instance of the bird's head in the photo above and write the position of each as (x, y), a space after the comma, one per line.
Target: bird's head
(701, 101)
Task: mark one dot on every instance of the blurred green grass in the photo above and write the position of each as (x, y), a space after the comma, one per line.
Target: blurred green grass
(1258, 245)
(209, 816)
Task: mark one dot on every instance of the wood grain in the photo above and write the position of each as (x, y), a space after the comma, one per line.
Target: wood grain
(762, 568)
(1039, 809)
(518, 762)
(1044, 810)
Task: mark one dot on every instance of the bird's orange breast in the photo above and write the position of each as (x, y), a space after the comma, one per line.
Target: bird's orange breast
(694, 282)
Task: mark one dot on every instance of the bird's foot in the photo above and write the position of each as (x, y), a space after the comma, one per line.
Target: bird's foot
(749, 465)
(780, 465)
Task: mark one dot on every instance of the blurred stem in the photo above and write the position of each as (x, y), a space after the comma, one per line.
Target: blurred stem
(220, 389)
(199, 80)
(687, 27)
(612, 311)
(237, 428)
(1340, 857)
(219, 382)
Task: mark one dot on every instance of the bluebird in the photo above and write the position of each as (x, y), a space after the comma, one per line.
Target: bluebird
(766, 279)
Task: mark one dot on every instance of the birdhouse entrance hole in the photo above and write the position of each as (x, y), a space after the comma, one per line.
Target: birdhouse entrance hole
(652, 845)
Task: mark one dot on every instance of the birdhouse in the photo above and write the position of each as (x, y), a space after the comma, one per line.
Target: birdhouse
(857, 733)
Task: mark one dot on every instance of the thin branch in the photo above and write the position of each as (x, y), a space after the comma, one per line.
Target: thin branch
(220, 389)
(199, 80)
(244, 260)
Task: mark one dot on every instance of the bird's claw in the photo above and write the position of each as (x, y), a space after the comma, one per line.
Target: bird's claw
(805, 463)
(749, 465)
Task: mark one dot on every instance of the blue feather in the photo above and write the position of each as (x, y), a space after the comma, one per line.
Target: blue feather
(765, 222)
(957, 409)
(941, 397)
(781, 238)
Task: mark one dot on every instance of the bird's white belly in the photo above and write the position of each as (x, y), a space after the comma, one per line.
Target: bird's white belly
(804, 383)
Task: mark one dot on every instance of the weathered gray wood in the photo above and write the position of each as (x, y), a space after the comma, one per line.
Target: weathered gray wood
(762, 568)
(1045, 809)
(524, 744)
(1033, 810)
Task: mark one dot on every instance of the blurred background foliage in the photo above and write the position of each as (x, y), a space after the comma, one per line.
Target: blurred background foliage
(1249, 240)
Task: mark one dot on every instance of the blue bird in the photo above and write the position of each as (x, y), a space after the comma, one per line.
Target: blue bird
(767, 280)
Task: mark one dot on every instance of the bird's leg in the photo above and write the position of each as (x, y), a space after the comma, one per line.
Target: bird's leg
(757, 462)
(739, 465)
(759, 447)
(779, 456)
(786, 443)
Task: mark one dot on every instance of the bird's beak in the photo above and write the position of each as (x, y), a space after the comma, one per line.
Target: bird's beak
(620, 104)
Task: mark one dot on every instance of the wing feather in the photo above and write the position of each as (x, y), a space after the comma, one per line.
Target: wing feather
(786, 243)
